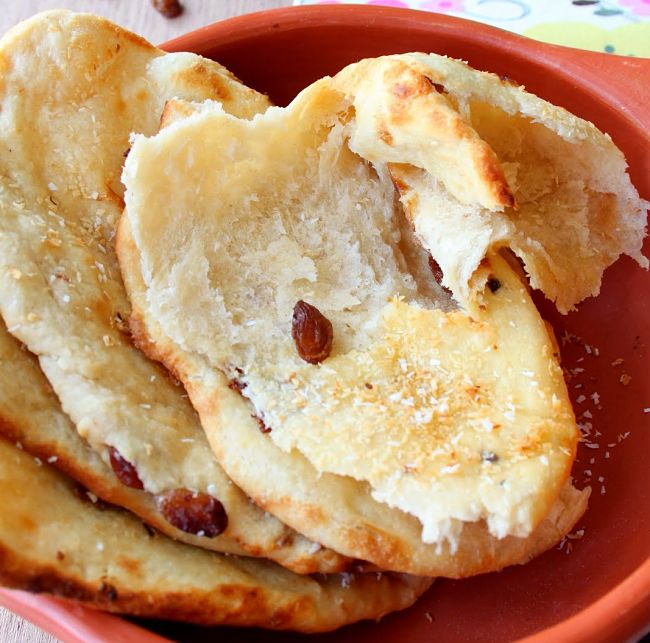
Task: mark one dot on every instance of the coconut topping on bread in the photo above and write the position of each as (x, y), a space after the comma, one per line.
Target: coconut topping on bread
(465, 416)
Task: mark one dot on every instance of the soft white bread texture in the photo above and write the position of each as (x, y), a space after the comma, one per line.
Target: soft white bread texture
(460, 420)
(332, 509)
(52, 540)
(31, 417)
(500, 167)
(73, 89)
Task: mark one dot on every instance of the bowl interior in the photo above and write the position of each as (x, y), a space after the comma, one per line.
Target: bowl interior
(605, 340)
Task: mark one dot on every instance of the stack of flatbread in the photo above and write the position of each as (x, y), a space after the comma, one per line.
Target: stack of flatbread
(280, 366)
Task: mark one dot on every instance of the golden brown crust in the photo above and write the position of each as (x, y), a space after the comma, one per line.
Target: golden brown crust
(252, 604)
(340, 512)
(202, 78)
(405, 107)
(571, 210)
(51, 541)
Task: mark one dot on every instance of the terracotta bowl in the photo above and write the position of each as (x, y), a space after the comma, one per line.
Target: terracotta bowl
(595, 587)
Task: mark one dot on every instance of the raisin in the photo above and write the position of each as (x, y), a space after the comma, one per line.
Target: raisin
(260, 423)
(108, 592)
(168, 8)
(489, 456)
(312, 332)
(493, 284)
(437, 273)
(194, 513)
(126, 473)
(437, 86)
(435, 269)
(235, 383)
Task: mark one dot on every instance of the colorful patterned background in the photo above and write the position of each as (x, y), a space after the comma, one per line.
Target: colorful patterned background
(613, 26)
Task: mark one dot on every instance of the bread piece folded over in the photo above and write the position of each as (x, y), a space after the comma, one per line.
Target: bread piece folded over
(460, 420)
(74, 87)
(551, 186)
(54, 541)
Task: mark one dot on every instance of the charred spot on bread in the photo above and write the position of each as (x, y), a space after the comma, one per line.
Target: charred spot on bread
(489, 456)
(493, 283)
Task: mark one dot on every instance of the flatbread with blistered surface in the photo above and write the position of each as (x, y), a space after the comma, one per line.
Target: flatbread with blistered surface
(74, 87)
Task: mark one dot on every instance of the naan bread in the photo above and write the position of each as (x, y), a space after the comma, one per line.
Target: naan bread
(52, 540)
(500, 167)
(332, 509)
(73, 89)
(31, 417)
(462, 421)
